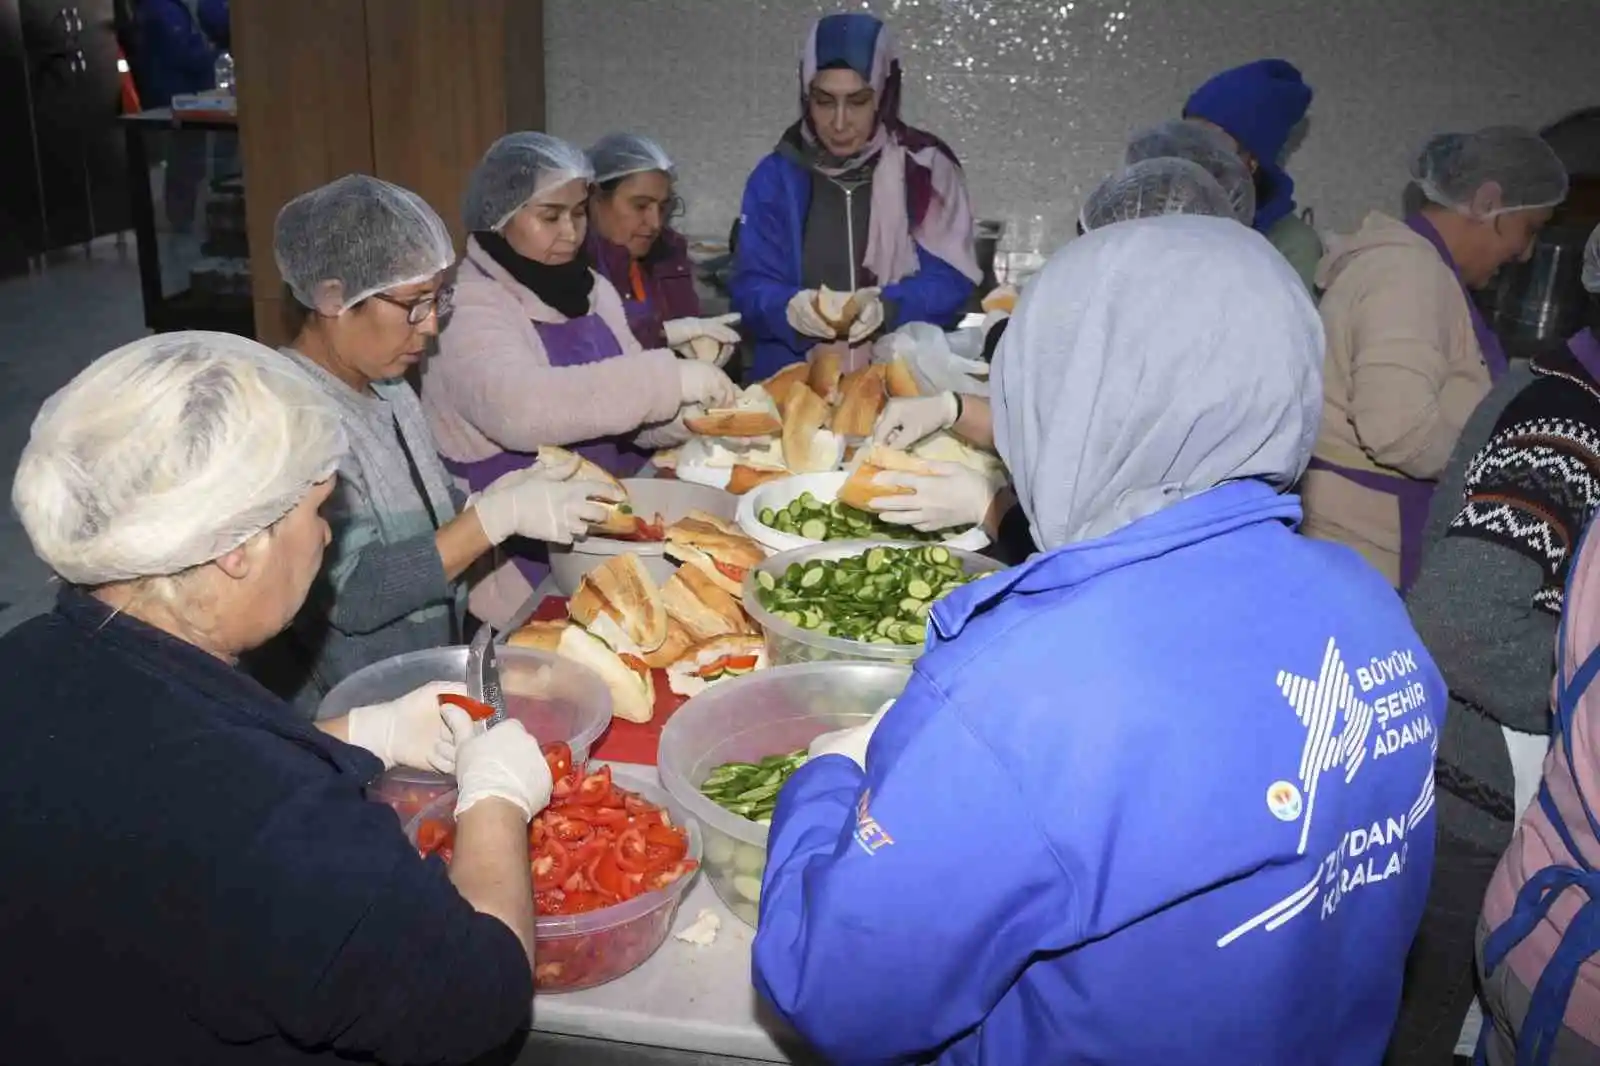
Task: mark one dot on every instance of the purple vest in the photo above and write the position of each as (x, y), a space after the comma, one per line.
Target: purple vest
(668, 283)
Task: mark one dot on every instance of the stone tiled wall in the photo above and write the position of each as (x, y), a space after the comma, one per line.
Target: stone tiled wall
(1036, 96)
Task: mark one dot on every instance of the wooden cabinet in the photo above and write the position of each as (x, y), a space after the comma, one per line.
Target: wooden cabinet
(411, 91)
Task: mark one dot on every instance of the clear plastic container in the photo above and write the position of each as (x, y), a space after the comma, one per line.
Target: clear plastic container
(671, 499)
(574, 951)
(556, 699)
(771, 712)
(788, 643)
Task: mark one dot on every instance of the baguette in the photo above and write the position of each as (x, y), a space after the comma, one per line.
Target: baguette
(779, 385)
(827, 368)
(620, 521)
(744, 478)
(838, 309)
(860, 490)
(621, 592)
(861, 401)
(902, 383)
(627, 678)
(803, 419)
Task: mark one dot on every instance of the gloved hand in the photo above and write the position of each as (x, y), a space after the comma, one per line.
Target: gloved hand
(871, 317)
(852, 742)
(527, 503)
(906, 421)
(680, 331)
(803, 316)
(502, 763)
(703, 384)
(953, 495)
(410, 731)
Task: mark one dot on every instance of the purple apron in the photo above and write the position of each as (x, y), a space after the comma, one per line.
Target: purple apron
(1585, 348)
(571, 343)
(1413, 496)
(1494, 354)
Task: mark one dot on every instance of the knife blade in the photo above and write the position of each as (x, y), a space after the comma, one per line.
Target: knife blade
(481, 671)
(493, 694)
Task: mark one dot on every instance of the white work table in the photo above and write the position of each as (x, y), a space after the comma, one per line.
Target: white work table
(685, 997)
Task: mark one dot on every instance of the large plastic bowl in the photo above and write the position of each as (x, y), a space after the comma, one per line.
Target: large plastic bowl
(771, 712)
(556, 699)
(788, 643)
(669, 497)
(825, 487)
(574, 951)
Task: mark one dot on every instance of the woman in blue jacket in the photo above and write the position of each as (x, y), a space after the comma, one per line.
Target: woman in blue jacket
(854, 199)
(1163, 793)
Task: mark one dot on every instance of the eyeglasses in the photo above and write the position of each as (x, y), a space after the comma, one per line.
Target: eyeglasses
(418, 310)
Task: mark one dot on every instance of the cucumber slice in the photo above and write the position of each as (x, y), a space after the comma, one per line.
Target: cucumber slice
(765, 581)
(768, 516)
(918, 588)
(814, 529)
(877, 559)
(938, 555)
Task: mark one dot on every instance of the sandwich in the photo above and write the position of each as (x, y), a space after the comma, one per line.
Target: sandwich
(627, 677)
(838, 309)
(754, 414)
(807, 447)
(619, 602)
(860, 490)
(827, 368)
(902, 383)
(620, 521)
(704, 609)
(779, 385)
(714, 547)
(714, 660)
(672, 649)
(860, 402)
(745, 478)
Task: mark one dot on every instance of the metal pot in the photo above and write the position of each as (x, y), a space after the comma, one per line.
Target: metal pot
(1543, 300)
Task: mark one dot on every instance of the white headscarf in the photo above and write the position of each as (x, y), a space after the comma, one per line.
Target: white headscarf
(1150, 361)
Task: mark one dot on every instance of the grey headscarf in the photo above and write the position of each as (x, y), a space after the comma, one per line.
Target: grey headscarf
(1150, 361)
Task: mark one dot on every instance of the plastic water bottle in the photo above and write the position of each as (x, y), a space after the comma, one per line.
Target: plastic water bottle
(224, 73)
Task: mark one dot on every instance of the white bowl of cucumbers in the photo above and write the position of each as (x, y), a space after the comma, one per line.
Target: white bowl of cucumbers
(802, 510)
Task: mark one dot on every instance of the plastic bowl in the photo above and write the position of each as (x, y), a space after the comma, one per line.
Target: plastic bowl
(825, 487)
(574, 951)
(747, 718)
(788, 643)
(556, 699)
(669, 497)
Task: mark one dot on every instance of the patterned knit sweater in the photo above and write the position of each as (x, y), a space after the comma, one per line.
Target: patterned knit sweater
(1521, 485)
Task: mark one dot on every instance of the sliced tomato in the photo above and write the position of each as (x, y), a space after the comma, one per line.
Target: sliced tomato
(634, 663)
(431, 836)
(551, 865)
(613, 879)
(561, 790)
(629, 852)
(568, 830)
(664, 876)
(729, 571)
(594, 788)
(636, 805)
(549, 901)
(476, 710)
(558, 757)
(582, 902)
(603, 816)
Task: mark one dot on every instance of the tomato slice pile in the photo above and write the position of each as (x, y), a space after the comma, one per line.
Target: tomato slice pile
(595, 845)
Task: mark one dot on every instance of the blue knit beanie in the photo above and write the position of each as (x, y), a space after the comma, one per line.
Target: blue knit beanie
(1259, 104)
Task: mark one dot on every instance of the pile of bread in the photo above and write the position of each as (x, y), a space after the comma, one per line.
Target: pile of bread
(624, 626)
(807, 418)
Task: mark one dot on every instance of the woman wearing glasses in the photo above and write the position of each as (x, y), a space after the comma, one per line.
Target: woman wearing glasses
(363, 262)
(632, 244)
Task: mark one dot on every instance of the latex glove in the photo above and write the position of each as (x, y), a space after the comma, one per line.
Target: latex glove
(680, 331)
(870, 319)
(852, 742)
(703, 384)
(953, 495)
(501, 763)
(410, 731)
(803, 316)
(527, 504)
(906, 421)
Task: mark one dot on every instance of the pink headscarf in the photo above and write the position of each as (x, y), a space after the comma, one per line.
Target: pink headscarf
(918, 193)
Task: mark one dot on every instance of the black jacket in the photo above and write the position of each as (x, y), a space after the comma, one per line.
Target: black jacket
(192, 874)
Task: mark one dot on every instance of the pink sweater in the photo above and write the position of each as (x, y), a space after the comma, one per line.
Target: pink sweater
(490, 388)
(1536, 844)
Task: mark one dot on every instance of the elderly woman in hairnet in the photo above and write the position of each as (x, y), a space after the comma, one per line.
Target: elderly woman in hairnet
(195, 862)
(538, 349)
(632, 244)
(1134, 773)
(853, 199)
(364, 262)
(1409, 353)
(952, 494)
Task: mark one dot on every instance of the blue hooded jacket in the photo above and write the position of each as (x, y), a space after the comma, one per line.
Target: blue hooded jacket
(1259, 104)
(767, 273)
(172, 55)
(1160, 797)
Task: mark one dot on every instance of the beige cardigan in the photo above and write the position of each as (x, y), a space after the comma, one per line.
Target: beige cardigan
(1403, 373)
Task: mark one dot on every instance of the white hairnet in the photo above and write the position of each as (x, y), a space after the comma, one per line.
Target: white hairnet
(515, 169)
(1148, 363)
(362, 232)
(1591, 262)
(1154, 187)
(1452, 167)
(616, 155)
(168, 453)
(1178, 139)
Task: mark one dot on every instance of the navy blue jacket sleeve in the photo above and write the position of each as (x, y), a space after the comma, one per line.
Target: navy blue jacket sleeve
(936, 293)
(359, 945)
(764, 280)
(173, 38)
(214, 21)
(899, 905)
